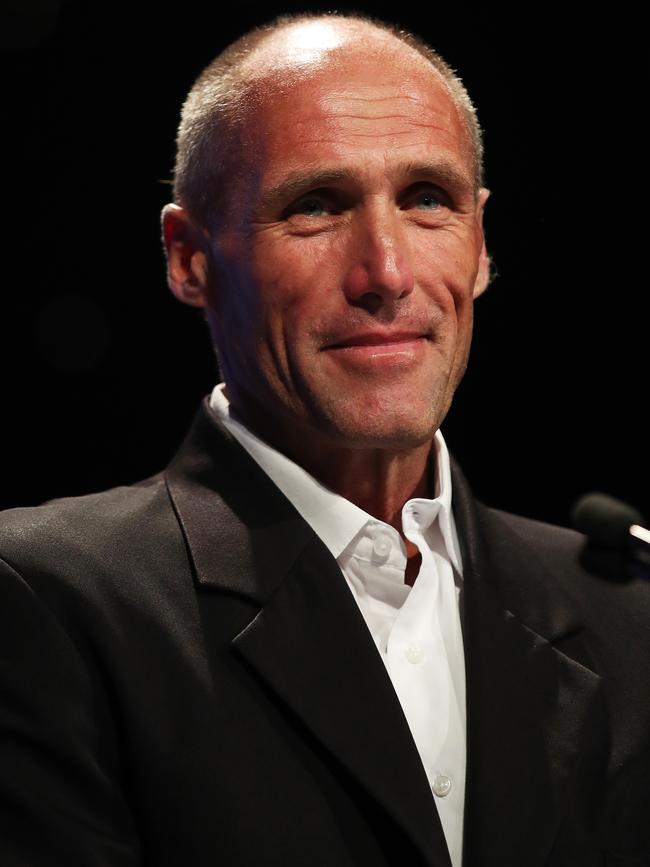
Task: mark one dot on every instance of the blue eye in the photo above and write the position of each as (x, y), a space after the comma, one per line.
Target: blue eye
(428, 200)
(424, 196)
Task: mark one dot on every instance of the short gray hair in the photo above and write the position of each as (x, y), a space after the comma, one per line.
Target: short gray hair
(214, 110)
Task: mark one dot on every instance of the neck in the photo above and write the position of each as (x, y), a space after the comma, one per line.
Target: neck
(378, 480)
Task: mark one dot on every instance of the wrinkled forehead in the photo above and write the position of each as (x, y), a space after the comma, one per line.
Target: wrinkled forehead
(310, 65)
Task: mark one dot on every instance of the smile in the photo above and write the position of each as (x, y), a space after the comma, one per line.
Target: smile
(377, 338)
(376, 349)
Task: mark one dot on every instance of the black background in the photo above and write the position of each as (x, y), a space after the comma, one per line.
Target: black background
(103, 369)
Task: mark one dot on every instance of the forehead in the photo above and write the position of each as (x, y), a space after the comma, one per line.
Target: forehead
(373, 104)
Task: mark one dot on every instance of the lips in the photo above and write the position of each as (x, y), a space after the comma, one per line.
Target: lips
(378, 338)
(379, 352)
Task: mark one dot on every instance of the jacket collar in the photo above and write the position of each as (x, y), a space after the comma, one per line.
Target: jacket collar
(233, 516)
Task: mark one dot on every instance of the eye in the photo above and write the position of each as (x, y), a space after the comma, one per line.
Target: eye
(314, 204)
(429, 201)
(310, 206)
(425, 197)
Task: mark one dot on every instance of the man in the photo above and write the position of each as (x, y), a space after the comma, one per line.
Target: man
(288, 648)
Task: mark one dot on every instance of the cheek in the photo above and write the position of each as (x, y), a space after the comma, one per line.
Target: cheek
(297, 280)
(294, 262)
(451, 261)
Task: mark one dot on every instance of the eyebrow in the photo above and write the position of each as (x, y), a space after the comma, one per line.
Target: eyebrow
(442, 171)
(299, 182)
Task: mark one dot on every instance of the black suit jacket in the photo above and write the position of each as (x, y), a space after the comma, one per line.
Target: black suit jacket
(185, 679)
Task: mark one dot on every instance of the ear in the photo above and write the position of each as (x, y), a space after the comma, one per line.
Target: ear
(187, 256)
(484, 263)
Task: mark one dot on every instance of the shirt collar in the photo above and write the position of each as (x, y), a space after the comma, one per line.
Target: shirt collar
(333, 518)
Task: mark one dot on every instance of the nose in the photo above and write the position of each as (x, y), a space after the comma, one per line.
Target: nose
(379, 269)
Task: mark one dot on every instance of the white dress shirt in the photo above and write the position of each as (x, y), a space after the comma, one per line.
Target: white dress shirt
(416, 629)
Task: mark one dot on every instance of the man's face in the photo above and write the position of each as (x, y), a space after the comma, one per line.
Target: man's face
(347, 263)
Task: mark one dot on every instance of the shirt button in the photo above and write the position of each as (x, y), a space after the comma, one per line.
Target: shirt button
(381, 546)
(415, 654)
(441, 786)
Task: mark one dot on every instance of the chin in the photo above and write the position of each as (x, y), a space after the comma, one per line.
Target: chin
(396, 413)
(397, 431)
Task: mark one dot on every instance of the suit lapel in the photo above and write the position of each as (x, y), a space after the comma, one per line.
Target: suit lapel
(529, 704)
(306, 638)
(311, 645)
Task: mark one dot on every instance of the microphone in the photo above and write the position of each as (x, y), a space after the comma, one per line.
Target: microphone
(618, 544)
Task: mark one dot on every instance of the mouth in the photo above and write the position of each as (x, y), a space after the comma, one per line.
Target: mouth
(377, 339)
(379, 350)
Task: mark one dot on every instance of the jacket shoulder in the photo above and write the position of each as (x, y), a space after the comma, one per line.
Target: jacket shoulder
(558, 554)
(92, 543)
(76, 521)
(548, 573)
(549, 541)
(522, 548)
